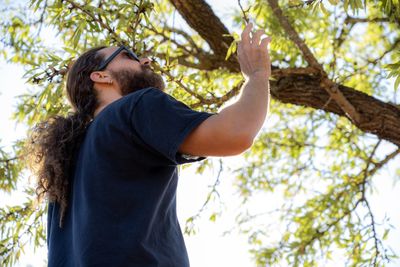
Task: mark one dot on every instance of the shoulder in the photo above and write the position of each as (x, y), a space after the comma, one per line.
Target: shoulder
(127, 102)
(148, 93)
(140, 93)
(135, 97)
(157, 96)
(155, 92)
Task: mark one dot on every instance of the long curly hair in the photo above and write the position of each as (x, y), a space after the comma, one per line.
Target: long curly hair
(53, 142)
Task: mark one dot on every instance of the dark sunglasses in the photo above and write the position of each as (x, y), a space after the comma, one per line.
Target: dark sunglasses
(130, 53)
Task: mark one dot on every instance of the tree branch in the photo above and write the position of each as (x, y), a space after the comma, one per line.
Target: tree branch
(331, 87)
(199, 15)
(377, 117)
(354, 20)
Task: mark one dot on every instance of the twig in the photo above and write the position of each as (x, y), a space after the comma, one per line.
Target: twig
(374, 61)
(366, 173)
(191, 219)
(98, 19)
(213, 190)
(137, 21)
(307, 2)
(374, 235)
(384, 161)
(10, 159)
(178, 82)
(50, 73)
(244, 12)
(353, 20)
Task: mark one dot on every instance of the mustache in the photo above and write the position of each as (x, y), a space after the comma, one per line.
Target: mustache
(147, 67)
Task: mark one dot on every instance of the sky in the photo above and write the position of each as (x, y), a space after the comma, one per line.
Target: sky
(209, 247)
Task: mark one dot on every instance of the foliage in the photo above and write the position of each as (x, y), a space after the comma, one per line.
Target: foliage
(326, 206)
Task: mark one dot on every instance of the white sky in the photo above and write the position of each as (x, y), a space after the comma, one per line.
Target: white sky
(208, 247)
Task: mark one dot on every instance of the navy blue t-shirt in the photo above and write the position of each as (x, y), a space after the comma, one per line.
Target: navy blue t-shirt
(122, 205)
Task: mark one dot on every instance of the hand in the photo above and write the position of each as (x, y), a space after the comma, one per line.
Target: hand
(252, 54)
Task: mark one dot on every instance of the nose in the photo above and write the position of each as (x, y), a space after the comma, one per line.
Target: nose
(145, 61)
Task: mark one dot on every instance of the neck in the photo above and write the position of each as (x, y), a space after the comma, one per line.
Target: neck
(106, 97)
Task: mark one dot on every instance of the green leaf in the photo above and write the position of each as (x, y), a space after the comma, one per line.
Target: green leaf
(397, 83)
(385, 234)
(334, 2)
(322, 7)
(232, 49)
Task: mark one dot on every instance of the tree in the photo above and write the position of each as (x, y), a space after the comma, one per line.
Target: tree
(332, 61)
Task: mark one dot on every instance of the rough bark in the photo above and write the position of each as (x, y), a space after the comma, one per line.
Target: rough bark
(200, 17)
(377, 117)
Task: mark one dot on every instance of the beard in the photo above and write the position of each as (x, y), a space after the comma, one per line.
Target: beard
(130, 81)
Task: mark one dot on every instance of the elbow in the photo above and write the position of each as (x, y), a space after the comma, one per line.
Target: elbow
(248, 143)
(245, 140)
(244, 143)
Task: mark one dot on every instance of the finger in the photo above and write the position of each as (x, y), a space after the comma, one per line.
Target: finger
(246, 33)
(239, 49)
(265, 41)
(257, 37)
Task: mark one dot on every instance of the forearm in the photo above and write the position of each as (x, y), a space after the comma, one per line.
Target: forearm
(245, 117)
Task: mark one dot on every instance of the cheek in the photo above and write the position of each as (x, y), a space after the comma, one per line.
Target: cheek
(131, 65)
(125, 64)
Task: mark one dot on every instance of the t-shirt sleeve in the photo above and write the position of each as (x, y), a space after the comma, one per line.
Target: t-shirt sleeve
(163, 123)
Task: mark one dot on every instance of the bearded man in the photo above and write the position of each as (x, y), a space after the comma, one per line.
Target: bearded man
(109, 169)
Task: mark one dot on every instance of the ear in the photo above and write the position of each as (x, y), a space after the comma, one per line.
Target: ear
(100, 77)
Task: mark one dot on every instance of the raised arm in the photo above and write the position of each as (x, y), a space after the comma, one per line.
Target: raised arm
(233, 129)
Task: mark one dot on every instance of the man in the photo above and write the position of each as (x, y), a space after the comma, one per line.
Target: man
(110, 169)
